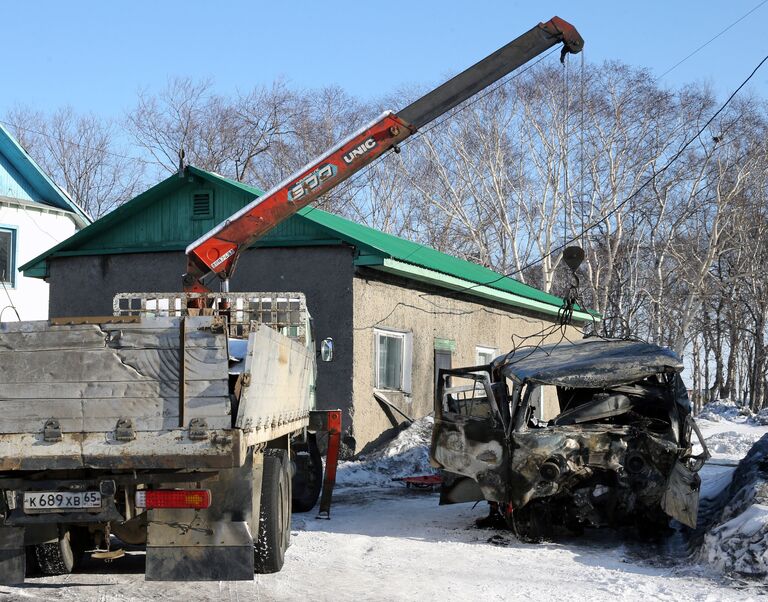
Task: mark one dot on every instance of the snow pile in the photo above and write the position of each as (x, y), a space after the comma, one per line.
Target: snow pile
(761, 417)
(406, 455)
(731, 444)
(729, 430)
(738, 541)
(724, 409)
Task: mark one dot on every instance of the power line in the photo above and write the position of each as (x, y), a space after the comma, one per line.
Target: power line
(712, 39)
(83, 146)
(636, 192)
(633, 194)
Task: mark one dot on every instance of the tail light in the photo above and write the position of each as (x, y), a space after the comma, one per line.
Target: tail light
(173, 498)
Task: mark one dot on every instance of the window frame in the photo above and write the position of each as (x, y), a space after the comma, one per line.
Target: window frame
(406, 364)
(493, 351)
(11, 280)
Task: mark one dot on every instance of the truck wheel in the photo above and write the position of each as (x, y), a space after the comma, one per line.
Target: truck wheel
(59, 557)
(308, 478)
(275, 514)
(532, 523)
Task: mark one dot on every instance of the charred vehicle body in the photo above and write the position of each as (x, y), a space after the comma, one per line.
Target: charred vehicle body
(578, 434)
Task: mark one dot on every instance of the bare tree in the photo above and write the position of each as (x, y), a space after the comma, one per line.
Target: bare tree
(81, 154)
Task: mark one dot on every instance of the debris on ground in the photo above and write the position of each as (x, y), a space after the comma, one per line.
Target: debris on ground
(426, 482)
(404, 456)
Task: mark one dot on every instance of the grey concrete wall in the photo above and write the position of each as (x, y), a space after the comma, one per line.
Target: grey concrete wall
(382, 301)
(84, 286)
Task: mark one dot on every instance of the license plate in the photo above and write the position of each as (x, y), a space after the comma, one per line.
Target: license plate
(60, 501)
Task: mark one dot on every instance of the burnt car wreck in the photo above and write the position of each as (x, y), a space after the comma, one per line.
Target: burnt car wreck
(579, 434)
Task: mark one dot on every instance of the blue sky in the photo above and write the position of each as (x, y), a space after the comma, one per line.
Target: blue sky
(96, 55)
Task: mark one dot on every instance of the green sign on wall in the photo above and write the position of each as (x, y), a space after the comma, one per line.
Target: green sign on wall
(445, 345)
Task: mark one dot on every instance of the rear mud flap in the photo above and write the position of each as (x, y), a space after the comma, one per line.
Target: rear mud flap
(198, 550)
(215, 544)
(13, 561)
(681, 497)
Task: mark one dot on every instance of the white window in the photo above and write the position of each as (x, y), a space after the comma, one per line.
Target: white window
(393, 360)
(8, 256)
(485, 355)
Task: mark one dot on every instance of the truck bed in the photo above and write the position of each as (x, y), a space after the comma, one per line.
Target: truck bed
(144, 392)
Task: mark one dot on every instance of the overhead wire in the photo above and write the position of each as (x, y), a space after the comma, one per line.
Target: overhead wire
(631, 129)
(638, 190)
(78, 144)
(712, 39)
(490, 90)
(11, 304)
(585, 230)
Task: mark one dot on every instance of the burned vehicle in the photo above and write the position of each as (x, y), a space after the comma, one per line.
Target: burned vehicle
(589, 433)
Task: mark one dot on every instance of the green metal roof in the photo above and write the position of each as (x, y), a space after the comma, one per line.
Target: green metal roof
(156, 221)
(375, 244)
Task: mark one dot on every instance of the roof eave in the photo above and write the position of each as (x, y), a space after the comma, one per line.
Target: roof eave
(428, 276)
(29, 169)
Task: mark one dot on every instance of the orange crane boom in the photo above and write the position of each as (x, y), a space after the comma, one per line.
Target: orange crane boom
(217, 251)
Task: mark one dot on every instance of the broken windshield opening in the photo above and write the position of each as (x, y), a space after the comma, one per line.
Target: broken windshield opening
(471, 393)
(467, 394)
(648, 403)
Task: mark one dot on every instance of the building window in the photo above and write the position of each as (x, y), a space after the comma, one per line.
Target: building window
(485, 355)
(202, 204)
(393, 360)
(8, 256)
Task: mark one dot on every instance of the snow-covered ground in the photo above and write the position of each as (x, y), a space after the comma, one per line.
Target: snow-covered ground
(729, 433)
(385, 542)
(729, 436)
(735, 500)
(393, 544)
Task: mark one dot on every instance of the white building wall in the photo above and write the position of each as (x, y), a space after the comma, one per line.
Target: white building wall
(38, 228)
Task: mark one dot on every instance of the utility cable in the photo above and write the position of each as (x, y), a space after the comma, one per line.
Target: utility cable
(712, 39)
(681, 61)
(83, 146)
(10, 301)
(636, 192)
(585, 230)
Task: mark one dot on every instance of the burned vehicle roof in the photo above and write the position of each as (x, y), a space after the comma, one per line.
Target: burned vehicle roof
(593, 362)
(591, 433)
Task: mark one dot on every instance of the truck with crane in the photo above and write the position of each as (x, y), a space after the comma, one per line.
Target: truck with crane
(176, 423)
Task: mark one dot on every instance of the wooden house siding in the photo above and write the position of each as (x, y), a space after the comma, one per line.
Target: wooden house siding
(13, 185)
(168, 221)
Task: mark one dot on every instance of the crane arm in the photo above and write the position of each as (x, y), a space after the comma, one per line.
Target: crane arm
(217, 251)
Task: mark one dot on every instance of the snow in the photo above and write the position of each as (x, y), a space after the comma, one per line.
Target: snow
(729, 431)
(406, 455)
(723, 409)
(735, 498)
(386, 542)
(741, 544)
(729, 445)
(397, 544)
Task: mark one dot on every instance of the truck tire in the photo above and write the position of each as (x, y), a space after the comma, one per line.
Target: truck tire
(62, 556)
(275, 514)
(307, 480)
(533, 523)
